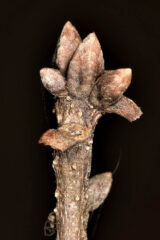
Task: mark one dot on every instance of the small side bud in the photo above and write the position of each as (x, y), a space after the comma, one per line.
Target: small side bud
(110, 87)
(49, 227)
(53, 81)
(98, 190)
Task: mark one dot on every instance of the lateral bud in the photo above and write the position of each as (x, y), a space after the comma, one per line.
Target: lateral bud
(98, 190)
(110, 87)
(53, 81)
(49, 227)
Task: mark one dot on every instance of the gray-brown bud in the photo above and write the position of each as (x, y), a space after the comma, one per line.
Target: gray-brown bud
(86, 65)
(52, 80)
(67, 44)
(98, 190)
(110, 87)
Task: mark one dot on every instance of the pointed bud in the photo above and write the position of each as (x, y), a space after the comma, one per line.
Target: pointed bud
(98, 189)
(68, 43)
(110, 87)
(86, 65)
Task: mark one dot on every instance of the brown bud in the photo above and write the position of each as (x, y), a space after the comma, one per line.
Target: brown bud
(68, 43)
(126, 108)
(86, 65)
(52, 80)
(110, 87)
(98, 190)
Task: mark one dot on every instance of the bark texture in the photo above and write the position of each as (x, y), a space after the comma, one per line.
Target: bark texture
(84, 92)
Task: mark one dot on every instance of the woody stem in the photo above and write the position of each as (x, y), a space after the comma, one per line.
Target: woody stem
(72, 169)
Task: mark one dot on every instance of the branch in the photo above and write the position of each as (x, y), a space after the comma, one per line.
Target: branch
(81, 100)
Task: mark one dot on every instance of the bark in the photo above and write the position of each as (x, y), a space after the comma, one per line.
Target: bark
(82, 98)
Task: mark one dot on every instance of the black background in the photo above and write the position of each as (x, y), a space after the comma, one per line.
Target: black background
(130, 37)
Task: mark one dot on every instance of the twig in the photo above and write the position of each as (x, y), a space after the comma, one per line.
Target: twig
(84, 91)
